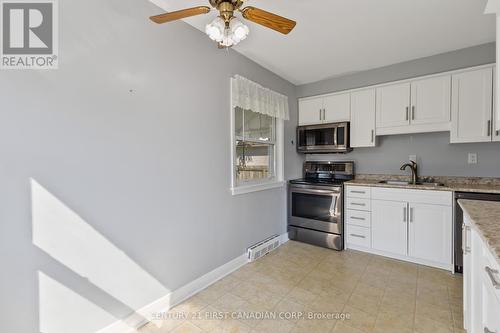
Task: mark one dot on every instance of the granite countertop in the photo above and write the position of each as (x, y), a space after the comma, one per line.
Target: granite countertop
(456, 184)
(485, 216)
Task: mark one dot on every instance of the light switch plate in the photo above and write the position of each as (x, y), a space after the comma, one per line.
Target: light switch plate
(472, 159)
(412, 158)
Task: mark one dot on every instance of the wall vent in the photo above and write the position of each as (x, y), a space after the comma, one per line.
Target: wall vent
(262, 248)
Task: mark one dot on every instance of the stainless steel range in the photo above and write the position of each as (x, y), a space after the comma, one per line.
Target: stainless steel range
(315, 204)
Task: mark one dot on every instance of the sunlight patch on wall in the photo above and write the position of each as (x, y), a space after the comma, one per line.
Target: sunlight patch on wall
(62, 310)
(66, 237)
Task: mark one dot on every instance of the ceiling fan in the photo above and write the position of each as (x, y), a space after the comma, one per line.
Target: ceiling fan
(226, 29)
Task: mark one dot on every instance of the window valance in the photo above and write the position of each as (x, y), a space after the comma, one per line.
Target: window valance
(249, 95)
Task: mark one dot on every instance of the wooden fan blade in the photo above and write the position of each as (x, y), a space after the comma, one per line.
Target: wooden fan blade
(268, 19)
(180, 14)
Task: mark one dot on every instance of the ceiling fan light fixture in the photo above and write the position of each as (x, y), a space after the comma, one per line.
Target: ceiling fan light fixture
(239, 31)
(216, 29)
(228, 40)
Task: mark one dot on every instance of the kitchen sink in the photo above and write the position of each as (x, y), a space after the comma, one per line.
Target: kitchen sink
(404, 183)
(394, 182)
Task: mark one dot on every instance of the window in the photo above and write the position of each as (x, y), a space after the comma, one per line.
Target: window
(257, 116)
(255, 151)
(255, 146)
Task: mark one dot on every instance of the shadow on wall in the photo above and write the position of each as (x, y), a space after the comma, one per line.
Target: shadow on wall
(66, 237)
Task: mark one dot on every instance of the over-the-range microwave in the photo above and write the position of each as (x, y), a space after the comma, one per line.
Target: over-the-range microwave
(324, 138)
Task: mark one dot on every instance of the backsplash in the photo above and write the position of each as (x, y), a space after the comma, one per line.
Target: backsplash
(435, 156)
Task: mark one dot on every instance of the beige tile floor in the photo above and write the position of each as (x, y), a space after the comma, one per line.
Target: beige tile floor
(377, 294)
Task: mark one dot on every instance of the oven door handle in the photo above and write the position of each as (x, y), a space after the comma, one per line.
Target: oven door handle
(314, 191)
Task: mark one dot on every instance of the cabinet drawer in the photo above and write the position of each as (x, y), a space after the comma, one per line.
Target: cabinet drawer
(443, 198)
(359, 236)
(358, 192)
(358, 204)
(359, 218)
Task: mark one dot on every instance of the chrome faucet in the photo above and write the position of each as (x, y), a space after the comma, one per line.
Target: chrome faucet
(414, 171)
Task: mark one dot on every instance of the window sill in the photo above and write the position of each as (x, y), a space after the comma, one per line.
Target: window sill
(256, 187)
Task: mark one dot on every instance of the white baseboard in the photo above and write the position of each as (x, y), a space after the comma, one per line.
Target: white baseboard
(165, 303)
(284, 238)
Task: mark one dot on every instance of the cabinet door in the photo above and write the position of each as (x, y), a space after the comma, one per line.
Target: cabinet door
(476, 277)
(430, 101)
(496, 111)
(310, 111)
(430, 233)
(471, 106)
(337, 108)
(363, 118)
(389, 226)
(393, 105)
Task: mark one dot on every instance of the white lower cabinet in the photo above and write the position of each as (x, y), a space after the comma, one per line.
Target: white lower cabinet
(389, 227)
(467, 274)
(412, 225)
(429, 232)
(481, 285)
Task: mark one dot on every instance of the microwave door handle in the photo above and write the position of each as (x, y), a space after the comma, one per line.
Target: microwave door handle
(335, 132)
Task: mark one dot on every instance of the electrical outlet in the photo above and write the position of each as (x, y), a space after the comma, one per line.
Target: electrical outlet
(412, 158)
(472, 159)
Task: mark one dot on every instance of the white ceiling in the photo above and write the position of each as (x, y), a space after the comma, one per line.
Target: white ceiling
(335, 37)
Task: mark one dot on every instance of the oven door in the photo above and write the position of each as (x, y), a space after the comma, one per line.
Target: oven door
(315, 207)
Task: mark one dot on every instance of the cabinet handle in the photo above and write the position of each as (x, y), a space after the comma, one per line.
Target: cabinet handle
(464, 239)
(404, 214)
(360, 192)
(497, 133)
(357, 218)
(358, 236)
(411, 214)
(320, 114)
(324, 114)
(407, 111)
(487, 330)
(465, 245)
(489, 128)
(357, 204)
(373, 135)
(491, 274)
(413, 112)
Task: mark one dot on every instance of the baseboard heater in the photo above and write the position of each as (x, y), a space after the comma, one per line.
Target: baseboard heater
(262, 248)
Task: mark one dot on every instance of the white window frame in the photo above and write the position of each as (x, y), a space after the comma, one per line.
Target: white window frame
(274, 182)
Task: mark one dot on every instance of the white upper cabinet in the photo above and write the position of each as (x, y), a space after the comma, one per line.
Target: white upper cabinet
(496, 112)
(337, 108)
(432, 246)
(389, 219)
(325, 109)
(460, 101)
(430, 101)
(310, 111)
(472, 103)
(414, 107)
(363, 118)
(393, 106)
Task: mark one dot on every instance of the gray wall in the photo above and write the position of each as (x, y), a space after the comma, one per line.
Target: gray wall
(472, 56)
(130, 140)
(437, 157)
